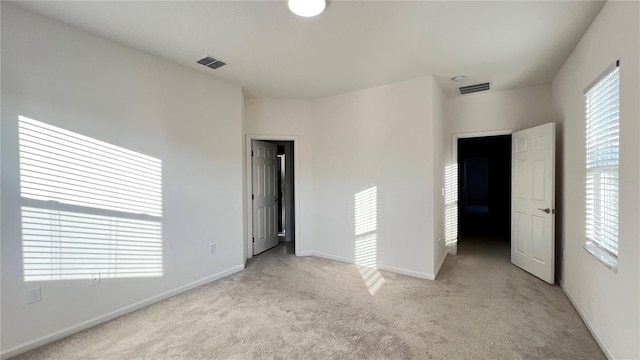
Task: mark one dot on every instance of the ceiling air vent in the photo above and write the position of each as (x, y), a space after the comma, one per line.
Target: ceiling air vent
(211, 62)
(463, 90)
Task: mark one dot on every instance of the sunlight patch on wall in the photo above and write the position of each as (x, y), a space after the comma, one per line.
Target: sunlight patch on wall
(451, 204)
(88, 207)
(366, 241)
(67, 245)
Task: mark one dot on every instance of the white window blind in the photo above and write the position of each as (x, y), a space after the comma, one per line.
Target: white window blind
(89, 207)
(602, 154)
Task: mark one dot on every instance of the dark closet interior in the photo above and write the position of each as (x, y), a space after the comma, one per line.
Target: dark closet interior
(484, 202)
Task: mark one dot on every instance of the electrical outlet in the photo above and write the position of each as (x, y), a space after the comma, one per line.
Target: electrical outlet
(212, 248)
(95, 279)
(35, 295)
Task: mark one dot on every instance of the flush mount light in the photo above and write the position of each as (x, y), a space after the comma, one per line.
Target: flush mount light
(458, 78)
(307, 8)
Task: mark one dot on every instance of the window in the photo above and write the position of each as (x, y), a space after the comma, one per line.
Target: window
(88, 207)
(602, 154)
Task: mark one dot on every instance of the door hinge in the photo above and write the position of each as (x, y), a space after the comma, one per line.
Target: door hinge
(251, 152)
(252, 197)
(253, 239)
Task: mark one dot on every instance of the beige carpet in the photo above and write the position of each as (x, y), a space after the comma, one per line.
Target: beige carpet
(287, 307)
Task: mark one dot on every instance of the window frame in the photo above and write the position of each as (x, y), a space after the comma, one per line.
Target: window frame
(599, 188)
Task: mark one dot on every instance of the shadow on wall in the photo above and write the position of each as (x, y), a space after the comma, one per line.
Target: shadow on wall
(365, 206)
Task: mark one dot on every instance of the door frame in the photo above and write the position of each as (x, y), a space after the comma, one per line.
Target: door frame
(249, 188)
(453, 244)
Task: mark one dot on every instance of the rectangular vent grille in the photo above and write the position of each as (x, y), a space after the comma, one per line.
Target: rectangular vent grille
(211, 62)
(463, 90)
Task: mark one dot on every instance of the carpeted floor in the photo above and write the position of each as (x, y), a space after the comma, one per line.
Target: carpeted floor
(287, 307)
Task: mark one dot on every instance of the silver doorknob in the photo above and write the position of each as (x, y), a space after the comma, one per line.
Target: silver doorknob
(547, 210)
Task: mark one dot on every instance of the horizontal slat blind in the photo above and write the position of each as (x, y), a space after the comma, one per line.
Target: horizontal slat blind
(602, 150)
(66, 245)
(89, 207)
(59, 165)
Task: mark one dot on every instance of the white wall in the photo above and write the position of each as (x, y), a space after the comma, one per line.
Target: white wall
(289, 117)
(439, 141)
(83, 83)
(609, 302)
(378, 137)
(510, 109)
(501, 110)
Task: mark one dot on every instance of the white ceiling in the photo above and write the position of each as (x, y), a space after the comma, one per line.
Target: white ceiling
(353, 45)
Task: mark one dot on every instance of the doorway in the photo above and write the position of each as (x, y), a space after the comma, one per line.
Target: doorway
(484, 196)
(452, 185)
(484, 187)
(272, 194)
(532, 241)
(285, 214)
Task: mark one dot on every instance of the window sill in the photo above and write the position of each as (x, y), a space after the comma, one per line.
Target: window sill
(603, 256)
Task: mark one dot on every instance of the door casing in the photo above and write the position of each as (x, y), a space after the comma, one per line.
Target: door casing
(453, 244)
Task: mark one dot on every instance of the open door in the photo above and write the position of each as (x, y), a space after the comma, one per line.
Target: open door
(264, 166)
(533, 200)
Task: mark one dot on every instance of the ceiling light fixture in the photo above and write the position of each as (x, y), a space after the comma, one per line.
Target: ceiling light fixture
(457, 78)
(307, 8)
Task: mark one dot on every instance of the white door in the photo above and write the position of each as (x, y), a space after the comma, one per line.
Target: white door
(533, 200)
(264, 165)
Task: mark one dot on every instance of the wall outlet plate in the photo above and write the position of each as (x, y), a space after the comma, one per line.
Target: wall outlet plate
(34, 295)
(212, 248)
(95, 279)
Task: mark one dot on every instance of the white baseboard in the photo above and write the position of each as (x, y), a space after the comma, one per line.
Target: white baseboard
(402, 271)
(379, 266)
(593, 332)
(333, 257)
(304, 253)
(444, 257)
(17, 350)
